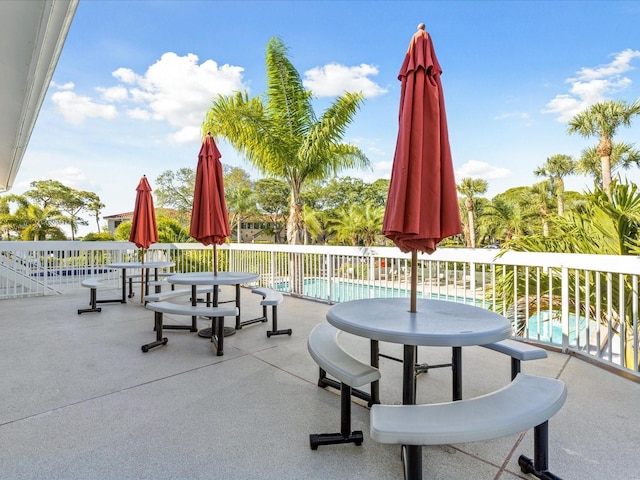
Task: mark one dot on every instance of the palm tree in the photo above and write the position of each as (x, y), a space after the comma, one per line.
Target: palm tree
(40, 223)
(508, 216)
(607, 224)
(555, 169)
(539, 198)
(345, 225)
(280, 134)
(470, 187)
(623, 157)
(602, 120)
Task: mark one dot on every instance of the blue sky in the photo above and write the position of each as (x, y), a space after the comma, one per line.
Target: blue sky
(134, 81)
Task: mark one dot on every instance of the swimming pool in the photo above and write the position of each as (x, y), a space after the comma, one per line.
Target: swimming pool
(343, 291)
(538, 327)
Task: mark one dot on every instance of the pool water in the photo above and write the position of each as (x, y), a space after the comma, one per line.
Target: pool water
(539, 327)
(344, 291)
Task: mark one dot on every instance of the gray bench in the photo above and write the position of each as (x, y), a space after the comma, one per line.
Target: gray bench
(325, 350)
(216, 314)
(162, 296)
(518, 351)
(270, 298)
(93, 284)
(526, 402)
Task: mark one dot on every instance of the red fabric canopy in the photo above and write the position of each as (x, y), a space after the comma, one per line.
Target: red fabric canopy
(209, 217)
(422, 205)
(144, 230)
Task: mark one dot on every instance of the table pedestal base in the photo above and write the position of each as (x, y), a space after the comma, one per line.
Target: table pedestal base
(206, 332)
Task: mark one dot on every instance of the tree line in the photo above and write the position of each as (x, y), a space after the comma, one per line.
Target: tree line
(39, 213)
(301, 157)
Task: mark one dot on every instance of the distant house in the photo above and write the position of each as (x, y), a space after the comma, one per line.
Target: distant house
(257, 230)
(114, 220)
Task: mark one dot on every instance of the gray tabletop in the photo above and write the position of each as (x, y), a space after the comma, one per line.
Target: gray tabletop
(436, 323)
(208, 278)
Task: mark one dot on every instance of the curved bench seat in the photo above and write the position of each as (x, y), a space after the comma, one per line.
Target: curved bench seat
(526, 402)
(324, 348)
(217, 315)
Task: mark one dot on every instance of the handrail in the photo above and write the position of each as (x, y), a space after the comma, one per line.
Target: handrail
(587, 304)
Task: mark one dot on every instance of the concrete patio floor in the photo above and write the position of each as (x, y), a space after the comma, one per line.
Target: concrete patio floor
(81, 401)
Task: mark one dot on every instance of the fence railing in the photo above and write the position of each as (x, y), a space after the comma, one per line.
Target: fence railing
(583, 304)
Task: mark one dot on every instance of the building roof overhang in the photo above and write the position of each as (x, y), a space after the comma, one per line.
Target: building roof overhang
(32, 34)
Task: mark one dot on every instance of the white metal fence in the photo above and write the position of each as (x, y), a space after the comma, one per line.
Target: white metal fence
(583, 304)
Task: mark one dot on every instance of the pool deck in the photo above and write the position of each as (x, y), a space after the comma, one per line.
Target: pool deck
(81, 401)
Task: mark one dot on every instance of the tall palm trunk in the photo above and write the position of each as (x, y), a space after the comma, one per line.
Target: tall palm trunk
(295, 236)
(604, 149)
(472, 227)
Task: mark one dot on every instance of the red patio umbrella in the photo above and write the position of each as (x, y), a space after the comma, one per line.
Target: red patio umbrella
(144, 230)
(209, 218)
(422, 204)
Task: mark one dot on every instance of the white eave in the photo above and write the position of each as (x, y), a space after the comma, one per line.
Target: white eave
(32, 33)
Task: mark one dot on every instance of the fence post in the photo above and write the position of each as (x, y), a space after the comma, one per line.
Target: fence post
(565, 308)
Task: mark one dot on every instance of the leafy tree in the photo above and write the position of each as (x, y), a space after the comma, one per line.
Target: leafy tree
(46, 192)
(9, 223)
(98, 237)
(280, 135)
(603, 120)
(555, 169)
(95, 206)
(51, 195)
(470, 187)
(122, 231)
(239, 196)
(376, 193)
(272, 197)
(175, 189)
(171, 231)
(72, 203)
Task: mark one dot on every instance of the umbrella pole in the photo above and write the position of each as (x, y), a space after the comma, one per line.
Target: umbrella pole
(215, 260)
(414, 279)
(142, 278)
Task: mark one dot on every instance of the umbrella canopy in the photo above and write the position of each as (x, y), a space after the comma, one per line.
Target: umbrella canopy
(209, 218)
(144, 230)
(422, 204)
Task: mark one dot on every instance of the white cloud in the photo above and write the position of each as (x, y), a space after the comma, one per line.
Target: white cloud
(593, 85)
(175, 89)
(178, 90)
(477, 169)
(113, 94)
(126, 75)
(138, 113)
(64, 86)
(620, 64)
(76, 108)
(335, 79)
(70, 176)
(185, 134)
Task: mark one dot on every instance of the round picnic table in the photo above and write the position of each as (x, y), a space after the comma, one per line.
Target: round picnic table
(196, 279)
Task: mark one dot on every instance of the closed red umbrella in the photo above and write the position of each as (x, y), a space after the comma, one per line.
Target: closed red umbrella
(209, 218)
(144, 230)
(422, 204)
